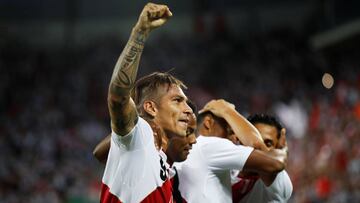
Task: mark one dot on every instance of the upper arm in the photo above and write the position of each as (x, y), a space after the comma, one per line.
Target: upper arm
(101, 150)
(123, 113)
(263, 163)
(224, 155)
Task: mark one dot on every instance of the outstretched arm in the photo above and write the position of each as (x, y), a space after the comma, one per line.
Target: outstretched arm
(243, 129)
(121, 107)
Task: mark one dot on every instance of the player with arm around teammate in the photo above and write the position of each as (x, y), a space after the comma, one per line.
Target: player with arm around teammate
(205, 175)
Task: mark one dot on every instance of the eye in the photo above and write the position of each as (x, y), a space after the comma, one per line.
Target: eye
(268, 143)
(178, 99)
(189, 131)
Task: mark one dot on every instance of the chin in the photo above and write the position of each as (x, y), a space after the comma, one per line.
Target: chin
(181, 159)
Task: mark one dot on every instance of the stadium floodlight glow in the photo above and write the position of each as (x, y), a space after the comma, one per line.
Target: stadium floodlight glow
(327, 80)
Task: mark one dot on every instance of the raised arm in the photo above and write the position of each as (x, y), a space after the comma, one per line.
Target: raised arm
(121, 107)
(243, 129)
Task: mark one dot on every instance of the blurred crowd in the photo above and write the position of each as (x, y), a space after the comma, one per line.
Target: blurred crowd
(54, 111)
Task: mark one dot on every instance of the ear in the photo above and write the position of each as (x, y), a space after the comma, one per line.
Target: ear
(208, 122)
(282, 140)
(150, 108)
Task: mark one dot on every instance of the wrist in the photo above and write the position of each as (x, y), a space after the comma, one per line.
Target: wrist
(139, 36)
(228, 113)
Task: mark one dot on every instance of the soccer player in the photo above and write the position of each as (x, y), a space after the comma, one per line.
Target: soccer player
(205, 175)
(136, 170)
(264, 188)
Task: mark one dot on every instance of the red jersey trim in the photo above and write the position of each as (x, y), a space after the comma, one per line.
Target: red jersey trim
(161, 194)
(243, 187)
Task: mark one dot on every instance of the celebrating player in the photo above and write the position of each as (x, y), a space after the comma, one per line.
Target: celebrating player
(136, 171)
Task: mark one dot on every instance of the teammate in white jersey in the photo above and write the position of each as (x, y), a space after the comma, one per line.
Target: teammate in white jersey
(205, 175)
(136, 170)
(273, 188)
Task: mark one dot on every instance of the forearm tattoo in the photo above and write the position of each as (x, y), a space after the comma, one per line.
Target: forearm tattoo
(126, 68)
(121, 107)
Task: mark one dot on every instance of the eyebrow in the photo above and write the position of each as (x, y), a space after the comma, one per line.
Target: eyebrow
(179, 96)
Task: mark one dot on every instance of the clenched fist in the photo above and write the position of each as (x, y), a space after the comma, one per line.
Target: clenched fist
(152, 16)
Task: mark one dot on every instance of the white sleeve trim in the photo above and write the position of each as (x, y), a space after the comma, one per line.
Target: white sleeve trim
(138, 137)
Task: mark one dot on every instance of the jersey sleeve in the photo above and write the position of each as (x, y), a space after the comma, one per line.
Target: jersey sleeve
(137, 138)
(281, 189)
(222, 154)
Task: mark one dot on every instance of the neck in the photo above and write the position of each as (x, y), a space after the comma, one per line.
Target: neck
(206, 133)
(203, 132)
(169, 159)
(158, 134)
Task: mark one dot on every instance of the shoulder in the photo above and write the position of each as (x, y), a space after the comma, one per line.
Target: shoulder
(140, 134)
(220, 143)
(213, 140)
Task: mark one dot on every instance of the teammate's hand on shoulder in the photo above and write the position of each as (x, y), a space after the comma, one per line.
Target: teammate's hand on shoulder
(152, 16)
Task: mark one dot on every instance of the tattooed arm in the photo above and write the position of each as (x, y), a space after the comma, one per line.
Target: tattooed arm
(121, 107)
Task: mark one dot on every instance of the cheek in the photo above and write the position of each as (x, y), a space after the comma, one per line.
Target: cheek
(175, 109)
(177, 143)
(182, 143)
(171, 114)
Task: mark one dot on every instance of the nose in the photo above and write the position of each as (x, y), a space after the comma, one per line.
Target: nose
(187, 109)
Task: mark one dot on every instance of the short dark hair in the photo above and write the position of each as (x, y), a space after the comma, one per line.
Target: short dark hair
(221, 121)
(147, 87)
(193, 106)
(266, 119)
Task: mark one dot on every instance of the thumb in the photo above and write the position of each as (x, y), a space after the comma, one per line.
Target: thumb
(158, 22)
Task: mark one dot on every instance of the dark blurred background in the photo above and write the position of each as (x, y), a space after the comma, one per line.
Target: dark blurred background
(296, 59)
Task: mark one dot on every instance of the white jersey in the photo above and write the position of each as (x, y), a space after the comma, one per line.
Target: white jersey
(254, 190)
(205, 175)
(135, 171)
